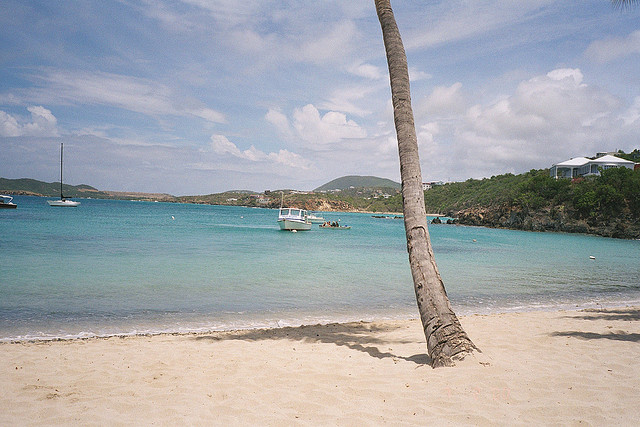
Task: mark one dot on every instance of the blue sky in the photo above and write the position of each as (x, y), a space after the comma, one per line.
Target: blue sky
(195, 96)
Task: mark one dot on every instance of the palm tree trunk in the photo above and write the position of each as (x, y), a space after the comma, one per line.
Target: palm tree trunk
(446, 340)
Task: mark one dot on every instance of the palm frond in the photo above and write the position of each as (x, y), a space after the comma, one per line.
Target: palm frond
(624, 4)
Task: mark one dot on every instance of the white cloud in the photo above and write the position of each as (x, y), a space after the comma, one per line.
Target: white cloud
(280, 121)
(315, 45)
(570, 76)
(545, 108)
(9, 125)
(632, 115)
(416, 75)
(459, 20)
(229, 12)
(367, 71)
(286, 157)
(121, 91)
(330, 45)
(320, 132)
(250, 41)
(348, 99)
(444, 101)
(43, 123)
(222, 146)
(614, 48)
(209, 115)
(428, 132)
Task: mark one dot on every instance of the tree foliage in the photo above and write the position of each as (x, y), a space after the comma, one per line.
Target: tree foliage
(614, 192)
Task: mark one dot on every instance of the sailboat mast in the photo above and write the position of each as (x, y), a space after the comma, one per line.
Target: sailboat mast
(61, 148)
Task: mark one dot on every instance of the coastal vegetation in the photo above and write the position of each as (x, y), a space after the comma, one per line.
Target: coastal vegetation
(607, 204)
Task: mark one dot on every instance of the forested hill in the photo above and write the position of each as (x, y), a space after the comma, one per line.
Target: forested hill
(355, 181)
(607, 205)
(28, 186)
(32, 187)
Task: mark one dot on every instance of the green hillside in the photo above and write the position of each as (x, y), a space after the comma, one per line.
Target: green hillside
(608, 205)
(32, 187)
(50, 189)
(356, 181)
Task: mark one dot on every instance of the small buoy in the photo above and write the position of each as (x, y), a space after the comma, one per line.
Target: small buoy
(592, 257)
(474, 240)
(241, 217)
(294, 231)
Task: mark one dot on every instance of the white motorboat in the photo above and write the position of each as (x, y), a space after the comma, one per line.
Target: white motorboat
(63, 202)
(293, 219)
(6, 202)
(314, 219)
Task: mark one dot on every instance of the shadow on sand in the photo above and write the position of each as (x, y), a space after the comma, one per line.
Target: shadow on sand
(356, 336)
(619, 314)
(630, 314)
(617, 336)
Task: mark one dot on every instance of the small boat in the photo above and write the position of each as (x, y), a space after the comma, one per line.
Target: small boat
(6, 202)
(335, 226)
(63, 202)
(315, 219)
(293, 219)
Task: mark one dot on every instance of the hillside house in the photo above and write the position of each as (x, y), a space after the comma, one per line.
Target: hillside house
(582, 166)
(429, 185)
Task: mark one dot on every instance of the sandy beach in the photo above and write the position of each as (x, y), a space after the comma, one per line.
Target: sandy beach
(564, 367)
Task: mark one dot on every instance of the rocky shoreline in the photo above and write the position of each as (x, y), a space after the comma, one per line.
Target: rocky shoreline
(557, 220)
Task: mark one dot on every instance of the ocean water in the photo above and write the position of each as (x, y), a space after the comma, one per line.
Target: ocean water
(120, 267)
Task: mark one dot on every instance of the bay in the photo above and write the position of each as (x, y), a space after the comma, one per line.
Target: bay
(113, 267)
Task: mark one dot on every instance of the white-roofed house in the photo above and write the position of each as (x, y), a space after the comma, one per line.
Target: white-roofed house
(582, 166)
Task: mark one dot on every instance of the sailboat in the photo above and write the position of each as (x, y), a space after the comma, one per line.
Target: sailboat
(63, 202)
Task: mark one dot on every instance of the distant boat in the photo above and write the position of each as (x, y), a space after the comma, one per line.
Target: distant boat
(293, 219)
(314, 219)
(335, 226)
(5, 202)
(63, 202)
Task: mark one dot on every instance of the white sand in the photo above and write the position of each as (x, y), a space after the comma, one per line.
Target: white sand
(564, 368)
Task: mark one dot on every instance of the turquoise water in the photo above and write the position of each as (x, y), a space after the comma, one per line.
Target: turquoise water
(119, 267)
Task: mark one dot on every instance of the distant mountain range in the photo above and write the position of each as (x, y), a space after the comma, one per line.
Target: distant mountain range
(51, 189)
(33, 187)
(356, 181)
(39, 188)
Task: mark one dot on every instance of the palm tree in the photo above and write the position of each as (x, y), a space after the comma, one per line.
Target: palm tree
(446, 340)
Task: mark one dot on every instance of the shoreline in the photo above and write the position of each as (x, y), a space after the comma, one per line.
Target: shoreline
(276, 323)
(541, 367)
